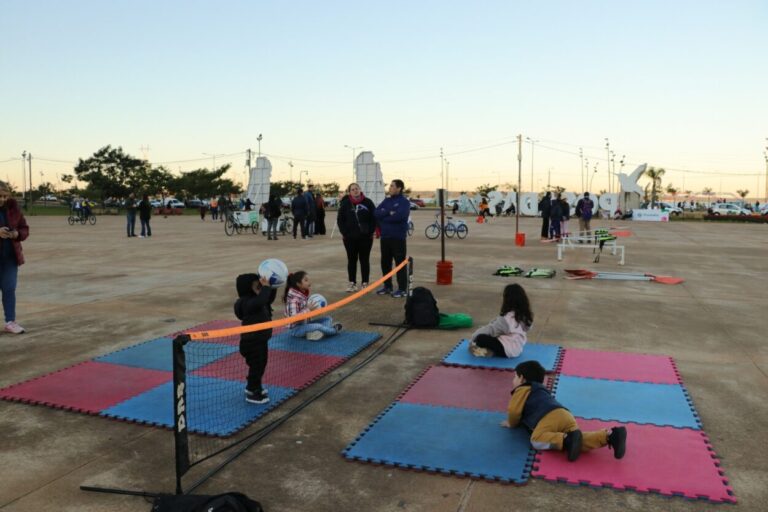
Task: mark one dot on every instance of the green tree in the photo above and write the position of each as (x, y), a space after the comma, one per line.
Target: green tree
(284, 188)
(486, 189)
(328, 190)
(655, 175)
(111, 172)
(204, 183)
(742, 193)
(672, 190)
(709, 193)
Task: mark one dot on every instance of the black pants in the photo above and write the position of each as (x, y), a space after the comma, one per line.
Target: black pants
(300, 221)
(393, 249)
(320, 222)
(256, 354)
(545, 227)
(358, 249)
(491, 343)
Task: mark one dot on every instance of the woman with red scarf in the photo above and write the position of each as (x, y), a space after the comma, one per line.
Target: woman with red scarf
(357, 225)
(13, 229)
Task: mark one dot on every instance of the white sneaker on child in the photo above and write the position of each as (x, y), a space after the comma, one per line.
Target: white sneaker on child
(315, 335)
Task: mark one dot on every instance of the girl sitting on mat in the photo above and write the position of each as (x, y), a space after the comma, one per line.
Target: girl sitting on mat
(506, 335)
(296, 298)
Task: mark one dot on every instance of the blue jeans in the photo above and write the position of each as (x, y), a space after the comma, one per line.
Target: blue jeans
(9, 272)
(131, 224)
(145, 229)
(324, 324)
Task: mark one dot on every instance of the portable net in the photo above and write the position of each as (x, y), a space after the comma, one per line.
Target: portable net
(211, 414)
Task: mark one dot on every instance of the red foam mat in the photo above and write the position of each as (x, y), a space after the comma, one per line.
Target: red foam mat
(619, 366)
(664, 460)
(88, 387)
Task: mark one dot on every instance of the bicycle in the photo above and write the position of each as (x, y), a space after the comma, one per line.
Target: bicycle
(284, 225)
(82, 219)
(457, 227)
(239, 222)
(410, 227)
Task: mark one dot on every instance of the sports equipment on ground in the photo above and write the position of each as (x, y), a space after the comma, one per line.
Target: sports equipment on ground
(274, 270)
(318, 300)
(576, 274)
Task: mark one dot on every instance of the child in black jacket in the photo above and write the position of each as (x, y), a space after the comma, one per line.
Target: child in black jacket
(254, 306)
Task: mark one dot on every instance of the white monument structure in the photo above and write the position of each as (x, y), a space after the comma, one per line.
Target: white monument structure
(259, 182)
(368, 176)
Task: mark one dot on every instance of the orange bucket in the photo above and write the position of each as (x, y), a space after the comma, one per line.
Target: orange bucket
(444, 272)
(520, 239)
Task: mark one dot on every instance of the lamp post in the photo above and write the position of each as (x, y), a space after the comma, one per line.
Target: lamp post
(608, 162)
(213, 155)
(354, 150)
(766, 170)
(533, 143)
(303, 172)
(259, 140)
(581, 156)
(593, 176)
(290, 175)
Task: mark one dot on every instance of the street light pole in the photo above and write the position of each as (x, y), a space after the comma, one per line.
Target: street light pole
(581, 156)
(442, 178)
(290, 175)
(303, 172)
(24, 177)
(766, 171)
(354, 149)
(520, 181)
(259, 139)
(533, 143)
(608, 163)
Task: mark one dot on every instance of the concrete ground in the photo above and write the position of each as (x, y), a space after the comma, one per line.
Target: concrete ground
(88, 290)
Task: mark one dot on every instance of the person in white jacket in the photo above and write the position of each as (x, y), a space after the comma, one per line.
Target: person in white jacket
(505, 335)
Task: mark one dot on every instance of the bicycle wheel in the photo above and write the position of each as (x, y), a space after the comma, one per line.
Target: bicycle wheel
(462, 231)
(71, 220)
(83, 220)
(229, 227)
(287, 225)
(239, 228)
(432, 231)
(410, 228)
(92, 219)
(450, 230)
(255, 228)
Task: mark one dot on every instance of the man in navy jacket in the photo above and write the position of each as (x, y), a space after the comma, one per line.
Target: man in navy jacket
(392, 217)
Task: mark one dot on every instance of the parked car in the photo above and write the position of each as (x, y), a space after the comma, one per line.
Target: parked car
(414, 206)
(672, 209)
(728, 209)
(196, 203)
(174, 203)
(418, 202)
(763, 209)
(50, 197)
(155, 203)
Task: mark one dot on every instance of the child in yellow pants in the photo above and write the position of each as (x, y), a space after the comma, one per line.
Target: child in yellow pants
(552, 426)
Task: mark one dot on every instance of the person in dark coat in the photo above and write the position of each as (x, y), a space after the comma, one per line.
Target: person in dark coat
(299, 210)
(145, 213)
(357, 225)
(13, 230)
(544, 206)
(319, 214)
(272, 212)
(555, 216)
(309, 196)
(130, 210)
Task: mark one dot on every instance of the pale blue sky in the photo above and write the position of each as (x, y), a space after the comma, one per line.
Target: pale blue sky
(678, 84)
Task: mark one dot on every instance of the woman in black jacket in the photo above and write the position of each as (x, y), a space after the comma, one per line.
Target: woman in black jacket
(357, 225)
(145, 213)
(544, 208)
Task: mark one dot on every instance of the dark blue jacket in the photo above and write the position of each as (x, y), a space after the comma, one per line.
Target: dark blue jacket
(540, 402)
(392, 217)
(299, 206)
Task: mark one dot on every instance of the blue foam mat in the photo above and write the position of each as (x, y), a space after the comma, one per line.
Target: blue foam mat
(656, 404)
(157, 354)
(344, 344)
(547, 355)
(222, 417)
(446, 440)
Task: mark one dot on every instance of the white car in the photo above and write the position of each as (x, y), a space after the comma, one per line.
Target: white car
(728, 209)
(763, 209)
(49, 197)
(174, 203)
(672, 209)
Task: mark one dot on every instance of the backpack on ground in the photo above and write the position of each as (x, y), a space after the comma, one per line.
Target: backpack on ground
(421, 309)
(227, 502)
(541, 272)
(455, 321)
(507, 271)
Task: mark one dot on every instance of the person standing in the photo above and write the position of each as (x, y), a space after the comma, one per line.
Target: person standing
(544, 206)
(272, 212)
(130, 209)
(566, 209)
(357, 224)
(223, 207)
(13, 230)
(145, 212)
(299, 210)
(320, 214)
(309, 197)
(555, 216)
(392, 217)
(214, 209)
(584, 212)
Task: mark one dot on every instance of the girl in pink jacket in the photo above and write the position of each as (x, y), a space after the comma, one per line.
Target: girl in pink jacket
(505, 335)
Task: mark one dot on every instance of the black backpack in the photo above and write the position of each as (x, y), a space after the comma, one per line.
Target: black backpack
(421, 309)
(229, 502)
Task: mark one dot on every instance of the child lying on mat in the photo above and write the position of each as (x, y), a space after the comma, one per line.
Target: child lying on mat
(254, 306)
(552, 426)
(297, 290)
(506, 335)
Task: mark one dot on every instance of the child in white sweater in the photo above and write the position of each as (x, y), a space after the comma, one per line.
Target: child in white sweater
(506, 335)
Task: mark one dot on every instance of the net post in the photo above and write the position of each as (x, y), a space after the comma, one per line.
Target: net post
(180, 431)
(410, 276)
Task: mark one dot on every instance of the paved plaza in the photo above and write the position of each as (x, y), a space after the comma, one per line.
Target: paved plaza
(89, 290)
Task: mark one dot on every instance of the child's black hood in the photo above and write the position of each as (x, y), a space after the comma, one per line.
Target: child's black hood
(244, 284)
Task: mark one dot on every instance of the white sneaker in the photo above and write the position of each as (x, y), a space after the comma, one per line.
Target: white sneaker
(351, 288)
(13, 328)
(363, 286)
(315, 335)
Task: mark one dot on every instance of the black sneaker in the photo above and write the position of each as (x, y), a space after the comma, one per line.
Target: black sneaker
(256, 397)
(572, 445)
(338, 327)
(617, 440)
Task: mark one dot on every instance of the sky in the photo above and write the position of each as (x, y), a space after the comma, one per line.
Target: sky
(675, 84)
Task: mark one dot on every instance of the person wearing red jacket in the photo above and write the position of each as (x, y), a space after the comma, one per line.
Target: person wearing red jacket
(13, 230)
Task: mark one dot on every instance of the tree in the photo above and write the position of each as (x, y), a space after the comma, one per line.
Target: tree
(486, 189)
(204, 183)
(655, 175)
(284, 188)
(328, 190)
(556, 189)
(742, 193)
(111, 172)
(673, 192)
